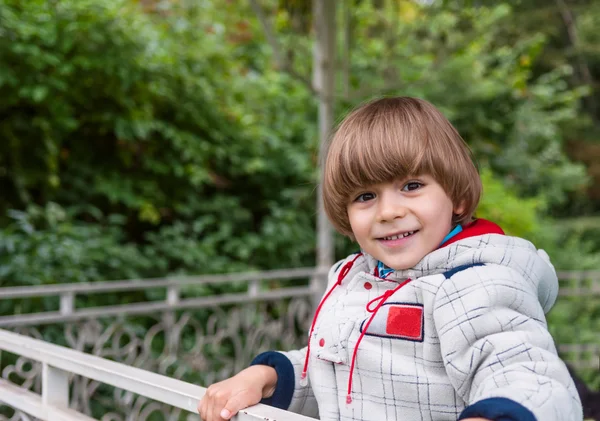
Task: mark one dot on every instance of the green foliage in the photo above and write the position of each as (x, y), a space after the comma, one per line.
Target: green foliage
(44, 246)
(568, 249)
(512, 119)
(207, 155)
(109, 111)
(516, 216)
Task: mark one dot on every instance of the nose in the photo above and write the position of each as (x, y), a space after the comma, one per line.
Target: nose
(390, 207)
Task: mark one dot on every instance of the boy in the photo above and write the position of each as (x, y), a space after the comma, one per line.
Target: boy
(439, 317)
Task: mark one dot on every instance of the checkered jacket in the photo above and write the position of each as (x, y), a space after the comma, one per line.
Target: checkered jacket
(466, 336)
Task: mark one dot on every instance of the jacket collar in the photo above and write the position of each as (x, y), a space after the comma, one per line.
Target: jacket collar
(427, 265)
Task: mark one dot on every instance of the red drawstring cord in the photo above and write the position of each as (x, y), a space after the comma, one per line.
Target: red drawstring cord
(341, 277)
(381, 299)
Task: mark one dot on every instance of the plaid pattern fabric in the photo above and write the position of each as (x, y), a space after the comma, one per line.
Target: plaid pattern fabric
(483, 335)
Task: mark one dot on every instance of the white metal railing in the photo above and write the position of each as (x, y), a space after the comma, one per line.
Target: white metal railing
(67, 294)
(59, 362)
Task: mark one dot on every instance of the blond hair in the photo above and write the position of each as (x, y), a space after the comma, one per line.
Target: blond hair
(395, 138)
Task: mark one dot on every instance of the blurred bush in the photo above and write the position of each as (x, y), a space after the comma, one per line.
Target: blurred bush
(111, 114)
(170, 138)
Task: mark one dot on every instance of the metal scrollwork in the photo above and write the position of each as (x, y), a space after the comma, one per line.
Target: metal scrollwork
(197, 346)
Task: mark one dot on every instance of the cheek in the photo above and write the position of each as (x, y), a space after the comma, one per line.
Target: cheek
(356, 225)
(352, 221)
(439, 214)
(359, 222)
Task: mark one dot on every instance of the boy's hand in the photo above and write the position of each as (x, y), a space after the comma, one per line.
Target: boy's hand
(224, 399)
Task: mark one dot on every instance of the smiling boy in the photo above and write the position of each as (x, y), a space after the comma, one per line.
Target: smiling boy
(439, 317)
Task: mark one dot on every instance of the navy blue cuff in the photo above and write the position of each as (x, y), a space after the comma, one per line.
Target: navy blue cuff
(282, 397)
(498, 409)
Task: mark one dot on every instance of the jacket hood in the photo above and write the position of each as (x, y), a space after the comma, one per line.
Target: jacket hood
(473, 248)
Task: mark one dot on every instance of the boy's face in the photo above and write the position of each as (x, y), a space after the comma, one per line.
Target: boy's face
(400, 222)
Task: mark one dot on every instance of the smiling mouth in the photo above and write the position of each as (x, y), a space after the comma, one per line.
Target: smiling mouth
(399, 236)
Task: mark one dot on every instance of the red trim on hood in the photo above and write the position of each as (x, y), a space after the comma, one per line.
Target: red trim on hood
(475, 228)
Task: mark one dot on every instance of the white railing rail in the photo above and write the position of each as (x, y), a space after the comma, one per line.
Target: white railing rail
(139, 284)
(581, 283)
(59, 362)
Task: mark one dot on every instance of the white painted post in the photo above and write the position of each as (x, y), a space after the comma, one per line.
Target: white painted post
(324, 53)
(253, 288)
(67, 303)
(170, 319)
(172, 295)
(55, 389)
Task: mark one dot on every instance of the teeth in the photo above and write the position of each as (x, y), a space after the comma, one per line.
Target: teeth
(397, 237)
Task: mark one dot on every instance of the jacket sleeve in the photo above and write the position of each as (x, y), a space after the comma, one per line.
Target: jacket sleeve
(497, 350)
(289, 393)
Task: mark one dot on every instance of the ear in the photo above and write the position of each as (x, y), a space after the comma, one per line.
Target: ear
(459, 208)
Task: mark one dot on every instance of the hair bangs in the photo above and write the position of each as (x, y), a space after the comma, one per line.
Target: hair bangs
(390, 153)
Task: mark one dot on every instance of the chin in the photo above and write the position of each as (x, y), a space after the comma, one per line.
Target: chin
(406, 263)
(401, 266)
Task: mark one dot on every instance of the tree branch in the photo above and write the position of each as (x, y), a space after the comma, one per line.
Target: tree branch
(347, 48)
(584, 68)
(282, 63)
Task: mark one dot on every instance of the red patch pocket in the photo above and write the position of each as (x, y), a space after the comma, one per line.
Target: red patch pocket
(406, 321)
(397, 320)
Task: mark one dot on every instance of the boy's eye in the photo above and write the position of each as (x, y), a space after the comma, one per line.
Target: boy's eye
(412, 185)
(365, 197)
